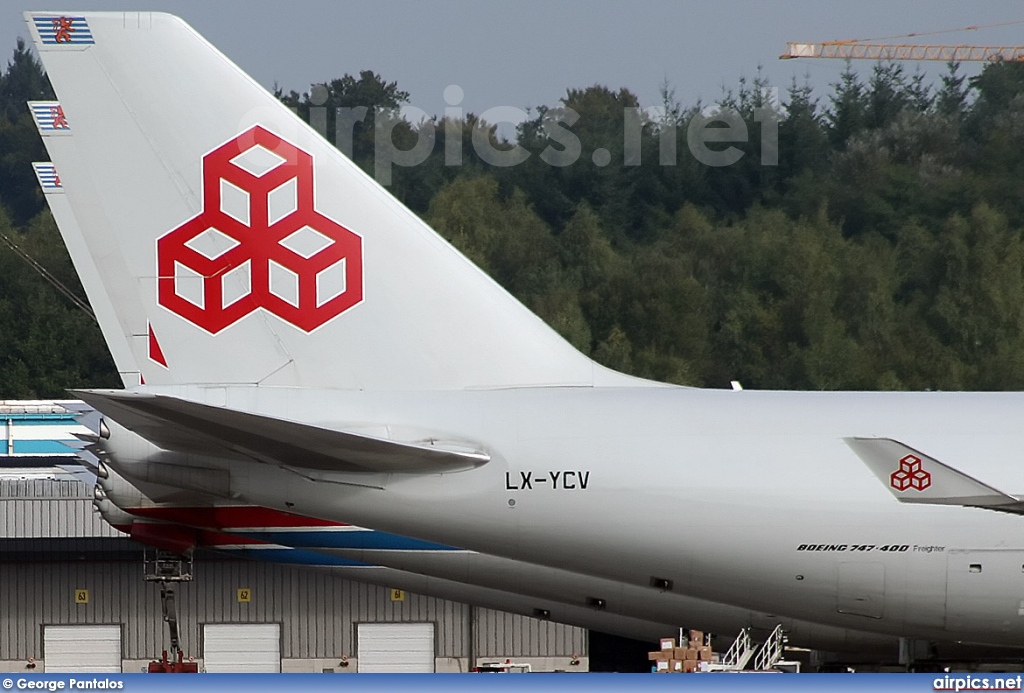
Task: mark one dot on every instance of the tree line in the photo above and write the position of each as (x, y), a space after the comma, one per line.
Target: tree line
(883, 250)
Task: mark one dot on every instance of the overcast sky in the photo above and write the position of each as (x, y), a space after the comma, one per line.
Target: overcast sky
(525, 53)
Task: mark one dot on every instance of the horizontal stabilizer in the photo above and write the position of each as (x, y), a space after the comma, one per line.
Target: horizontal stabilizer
(914, 477)
(177, 424)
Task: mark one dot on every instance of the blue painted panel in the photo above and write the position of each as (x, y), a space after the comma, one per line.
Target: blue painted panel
(293, 556)
(41, 447)
(314, 539)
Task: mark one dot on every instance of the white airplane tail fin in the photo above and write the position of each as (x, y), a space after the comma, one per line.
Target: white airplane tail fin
(236, 246)
(915, 477)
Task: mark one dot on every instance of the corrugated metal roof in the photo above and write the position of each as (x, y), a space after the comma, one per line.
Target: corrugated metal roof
(35, 406)
(57, 508)
(42, 489)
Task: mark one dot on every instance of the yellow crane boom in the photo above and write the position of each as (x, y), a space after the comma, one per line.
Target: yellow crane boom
(854, 50)
(873, 49)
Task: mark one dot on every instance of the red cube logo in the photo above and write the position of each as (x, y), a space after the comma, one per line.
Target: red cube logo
(259, 243)
(910, 475)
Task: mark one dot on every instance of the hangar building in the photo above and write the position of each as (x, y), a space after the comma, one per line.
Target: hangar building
(73, 598)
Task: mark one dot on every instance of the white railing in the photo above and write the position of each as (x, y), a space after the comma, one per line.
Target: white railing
(771, 651)
(738, 654)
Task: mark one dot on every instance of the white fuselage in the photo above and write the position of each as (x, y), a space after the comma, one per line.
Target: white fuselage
(746, 498)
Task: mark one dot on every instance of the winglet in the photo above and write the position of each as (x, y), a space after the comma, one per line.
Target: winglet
(914, 477)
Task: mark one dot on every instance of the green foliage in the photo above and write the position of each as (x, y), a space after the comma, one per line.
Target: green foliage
(952, 99)
(849, 112)
(47, 344)
(20, 144)
(355, 134)
(505, 238)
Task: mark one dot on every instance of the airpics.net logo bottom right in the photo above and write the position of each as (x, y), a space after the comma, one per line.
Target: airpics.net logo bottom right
(978, 683)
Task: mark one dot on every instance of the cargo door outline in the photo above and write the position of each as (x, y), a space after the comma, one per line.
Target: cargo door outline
(860, 589)
(984, 590)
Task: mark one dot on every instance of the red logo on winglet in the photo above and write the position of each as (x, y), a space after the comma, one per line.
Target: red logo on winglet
(910, 475)
(259, 243)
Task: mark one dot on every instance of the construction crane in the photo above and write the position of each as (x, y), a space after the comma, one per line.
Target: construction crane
(856, 49)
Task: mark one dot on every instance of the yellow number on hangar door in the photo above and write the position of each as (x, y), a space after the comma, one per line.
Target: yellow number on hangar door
(81, 596)
(398, 595)
(244, 595)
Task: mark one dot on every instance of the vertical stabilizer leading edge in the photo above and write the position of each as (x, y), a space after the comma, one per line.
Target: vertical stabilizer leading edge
(71, 233)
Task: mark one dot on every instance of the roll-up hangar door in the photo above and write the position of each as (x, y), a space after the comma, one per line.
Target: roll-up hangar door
(242, 648)
(399, 648)
(82, 649)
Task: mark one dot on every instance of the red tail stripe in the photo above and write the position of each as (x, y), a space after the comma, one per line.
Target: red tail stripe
(226, 517)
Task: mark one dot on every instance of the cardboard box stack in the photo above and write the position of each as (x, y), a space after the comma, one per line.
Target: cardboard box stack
(661, 659)
(684, 659)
